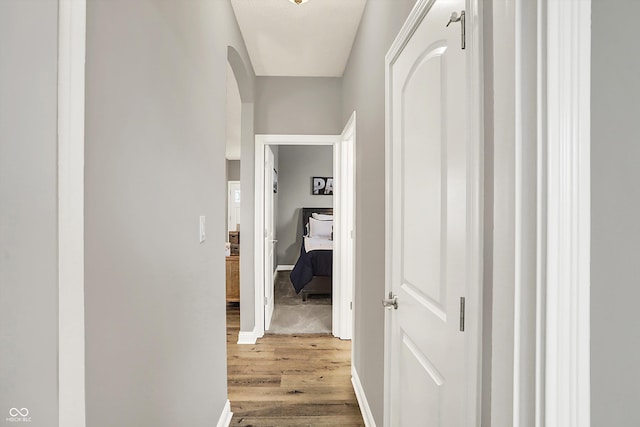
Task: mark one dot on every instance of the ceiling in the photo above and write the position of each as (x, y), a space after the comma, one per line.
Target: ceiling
(313, 39)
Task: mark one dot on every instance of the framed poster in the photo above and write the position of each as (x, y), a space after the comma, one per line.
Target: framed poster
(322, 186)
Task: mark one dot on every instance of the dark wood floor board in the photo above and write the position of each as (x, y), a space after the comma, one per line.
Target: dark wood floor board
(260, 358)
(286, 366)
(280, 409)
(241, 380)
(266, 370)
(319, 421)
(294, 395)
(318, 342)
(321, 378)
(290, 380)
(329, 355)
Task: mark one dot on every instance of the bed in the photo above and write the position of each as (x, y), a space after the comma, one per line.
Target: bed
(312, 274)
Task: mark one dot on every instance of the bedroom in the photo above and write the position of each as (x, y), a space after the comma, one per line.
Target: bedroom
(302, 302)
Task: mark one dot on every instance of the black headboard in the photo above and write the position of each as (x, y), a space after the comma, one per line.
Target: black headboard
(306, 214)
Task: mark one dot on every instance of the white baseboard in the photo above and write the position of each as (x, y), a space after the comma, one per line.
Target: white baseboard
(284, 267)
(225, 416)
(367, 416)
(248, 337)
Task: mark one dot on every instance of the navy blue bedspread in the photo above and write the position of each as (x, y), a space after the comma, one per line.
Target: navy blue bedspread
(314, 263)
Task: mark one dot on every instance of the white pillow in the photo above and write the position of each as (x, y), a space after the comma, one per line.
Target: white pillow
(321, 229)
(322, 217)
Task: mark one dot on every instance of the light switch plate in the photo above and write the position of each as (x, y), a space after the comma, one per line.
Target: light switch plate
(203, 234)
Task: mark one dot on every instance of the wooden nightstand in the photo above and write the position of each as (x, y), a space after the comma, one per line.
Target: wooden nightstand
(233, 278)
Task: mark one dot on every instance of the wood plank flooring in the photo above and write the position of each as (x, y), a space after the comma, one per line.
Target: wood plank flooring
(290, 380)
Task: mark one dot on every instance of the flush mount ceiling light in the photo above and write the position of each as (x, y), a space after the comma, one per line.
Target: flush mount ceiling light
(298, 1)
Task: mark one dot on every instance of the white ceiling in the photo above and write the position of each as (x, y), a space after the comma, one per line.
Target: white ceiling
(313, 39)
(234, 109)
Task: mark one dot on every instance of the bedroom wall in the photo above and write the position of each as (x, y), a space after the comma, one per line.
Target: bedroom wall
(297, 165)
(298, 105)
(155, 162)
(615, 202)
(364, 86)
(28, 209)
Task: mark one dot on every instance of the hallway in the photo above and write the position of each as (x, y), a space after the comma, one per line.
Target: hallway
(289, 380)
(519, 228)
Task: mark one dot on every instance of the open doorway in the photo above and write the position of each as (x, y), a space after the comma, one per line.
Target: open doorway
(342, 282)
(234, 195)
(302, 246)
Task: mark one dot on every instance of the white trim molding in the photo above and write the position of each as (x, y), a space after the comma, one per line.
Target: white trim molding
(567, 105)
(71, 92)
(283, 267)
(225, 416)
(249, 337)
(475, 203)
(365, 410)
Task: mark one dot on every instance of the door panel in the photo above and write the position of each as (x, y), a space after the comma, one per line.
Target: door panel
(425, 383)
(428, 228)
(269, 236)
(424, 150)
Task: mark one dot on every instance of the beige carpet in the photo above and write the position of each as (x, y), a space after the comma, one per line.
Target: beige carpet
(292, 316)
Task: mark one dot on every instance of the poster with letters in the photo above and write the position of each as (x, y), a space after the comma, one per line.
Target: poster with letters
(322, 186)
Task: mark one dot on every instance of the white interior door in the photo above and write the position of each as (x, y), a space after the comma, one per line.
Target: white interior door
(344, 266)
(428, 238)
(233, 203)
(269, 235)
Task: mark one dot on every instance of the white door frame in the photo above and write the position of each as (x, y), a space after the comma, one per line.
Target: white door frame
(71, 112)
(344, 202)
(545, 372)
(475, 200)
(565, 137)
(339, 300)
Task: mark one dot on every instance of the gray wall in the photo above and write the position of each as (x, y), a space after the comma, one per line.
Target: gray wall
(615, 221)
(233, 170)
(363, 85)
(246, 84)
(298, 105)
(155, 161)
(28, 209)
(297, 165)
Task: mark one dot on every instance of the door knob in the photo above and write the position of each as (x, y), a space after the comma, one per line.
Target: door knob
(392, 301)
